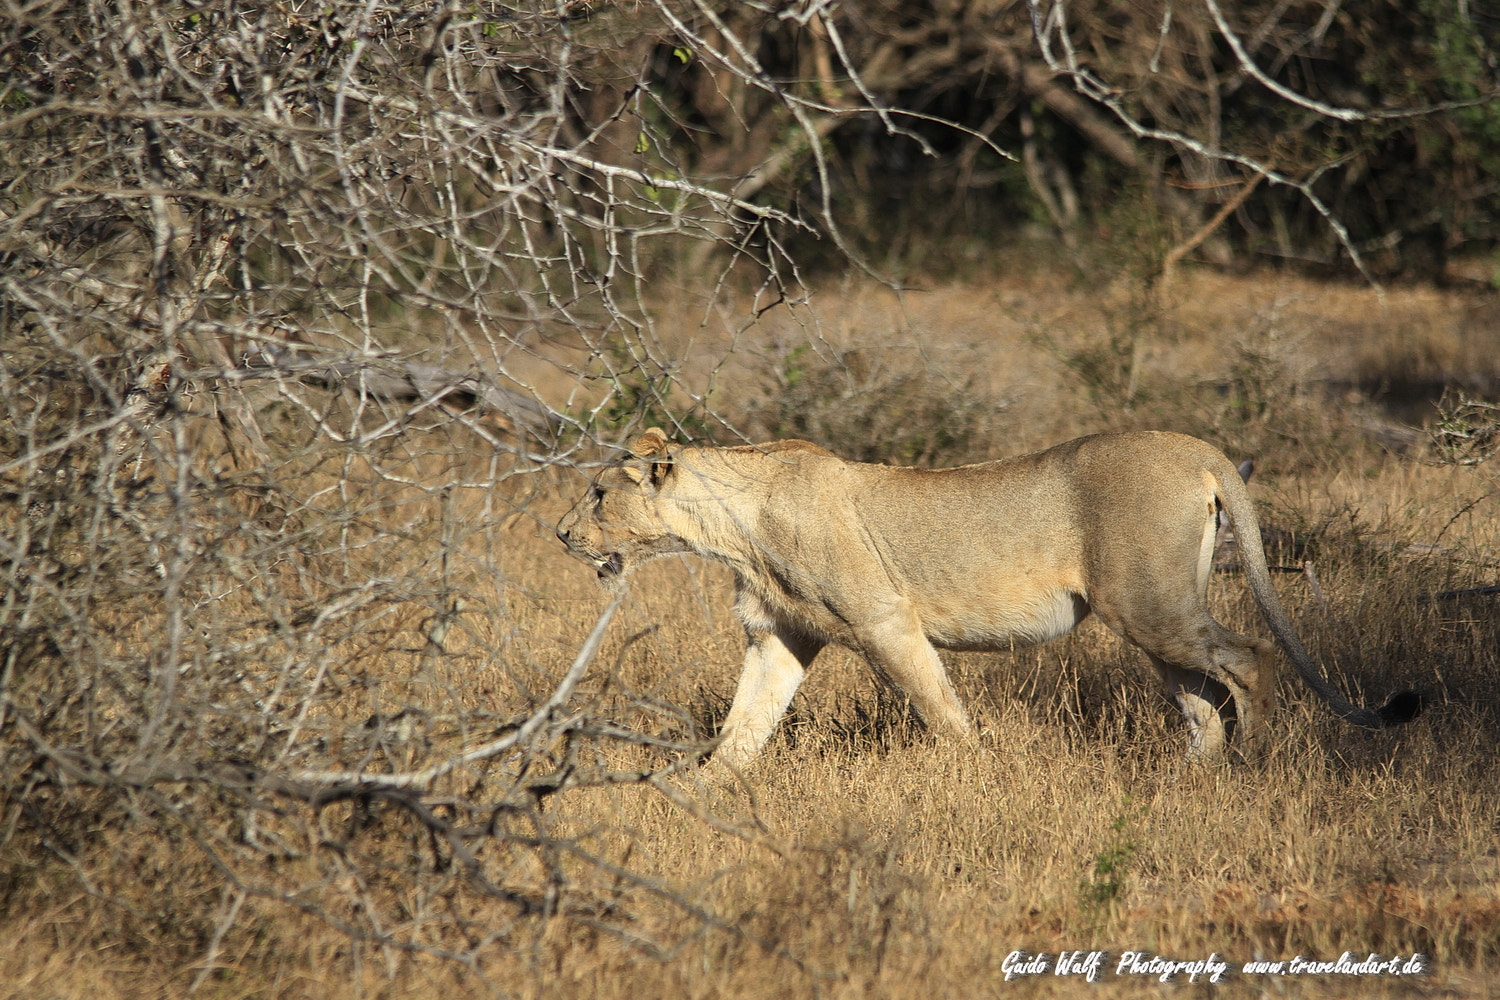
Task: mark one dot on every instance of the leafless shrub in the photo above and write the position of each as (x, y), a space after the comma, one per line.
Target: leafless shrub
(254, 685)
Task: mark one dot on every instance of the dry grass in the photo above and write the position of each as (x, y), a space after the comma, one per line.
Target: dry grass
(879, 862)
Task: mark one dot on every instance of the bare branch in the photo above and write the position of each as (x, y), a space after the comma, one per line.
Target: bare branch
(1248, 64)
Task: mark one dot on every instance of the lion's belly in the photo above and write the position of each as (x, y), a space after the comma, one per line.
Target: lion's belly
(999, 623)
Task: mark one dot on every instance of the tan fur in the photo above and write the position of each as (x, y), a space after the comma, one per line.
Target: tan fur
(896, 563)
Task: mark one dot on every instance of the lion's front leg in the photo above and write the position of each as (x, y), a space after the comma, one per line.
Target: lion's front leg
(774, 665)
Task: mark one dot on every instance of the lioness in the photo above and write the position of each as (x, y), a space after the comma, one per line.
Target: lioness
(893, 562)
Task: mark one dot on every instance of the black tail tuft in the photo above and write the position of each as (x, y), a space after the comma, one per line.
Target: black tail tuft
(1401, 707)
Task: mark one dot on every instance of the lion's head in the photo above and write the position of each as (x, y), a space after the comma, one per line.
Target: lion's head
(616, 525)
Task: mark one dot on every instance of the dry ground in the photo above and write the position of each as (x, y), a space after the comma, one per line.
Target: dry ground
(859, 857)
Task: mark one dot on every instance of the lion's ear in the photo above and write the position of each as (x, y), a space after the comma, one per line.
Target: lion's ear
(652, 447)
(650, 444)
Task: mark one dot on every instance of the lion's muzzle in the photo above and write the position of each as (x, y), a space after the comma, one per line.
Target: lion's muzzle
(608, 565)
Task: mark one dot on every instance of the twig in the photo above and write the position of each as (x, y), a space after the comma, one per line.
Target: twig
(1317, 590)
(1187, 246)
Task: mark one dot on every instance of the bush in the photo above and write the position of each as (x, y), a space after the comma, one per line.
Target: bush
(871, 404)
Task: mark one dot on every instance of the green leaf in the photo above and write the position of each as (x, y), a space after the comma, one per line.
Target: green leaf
(642, 144)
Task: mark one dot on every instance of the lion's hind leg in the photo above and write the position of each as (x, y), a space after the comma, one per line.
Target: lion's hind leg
(897, 648)
(1248, 667)
(1224, 683)
(1206, 705)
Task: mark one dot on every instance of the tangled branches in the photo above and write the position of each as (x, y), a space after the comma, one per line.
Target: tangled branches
(297, 303)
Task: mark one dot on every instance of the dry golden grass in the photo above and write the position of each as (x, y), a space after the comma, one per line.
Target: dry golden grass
(869, 859)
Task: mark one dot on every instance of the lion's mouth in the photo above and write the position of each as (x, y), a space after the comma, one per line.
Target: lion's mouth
(609, 567)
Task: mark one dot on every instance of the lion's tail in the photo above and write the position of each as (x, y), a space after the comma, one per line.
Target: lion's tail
(1233, 497)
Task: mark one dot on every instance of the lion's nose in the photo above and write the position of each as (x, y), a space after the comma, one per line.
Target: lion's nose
(562, 534)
